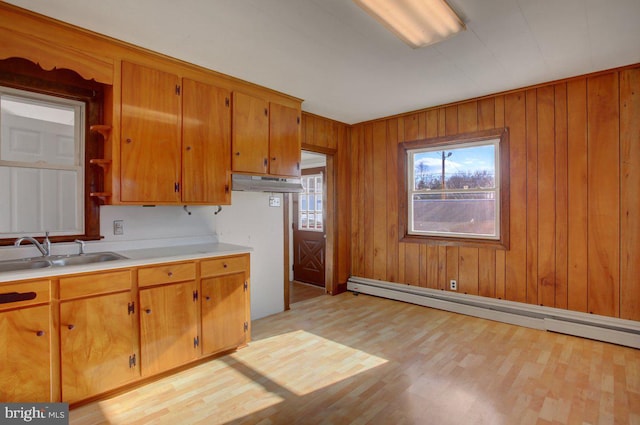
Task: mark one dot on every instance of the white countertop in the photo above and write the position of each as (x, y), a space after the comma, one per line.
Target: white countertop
(135, 257)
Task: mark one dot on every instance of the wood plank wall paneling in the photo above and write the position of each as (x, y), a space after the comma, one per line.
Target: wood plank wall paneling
(574, 192)
(332, 138)
(630, 194)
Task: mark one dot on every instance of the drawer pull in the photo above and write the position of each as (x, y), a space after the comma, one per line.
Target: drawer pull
(224, 265)
(147, 310)
(170, 274)
(14, 297)
(40, 333)
(208, 298)
(71, 327)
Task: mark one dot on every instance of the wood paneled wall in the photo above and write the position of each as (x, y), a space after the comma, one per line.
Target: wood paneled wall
(575, 197)
(332, 138)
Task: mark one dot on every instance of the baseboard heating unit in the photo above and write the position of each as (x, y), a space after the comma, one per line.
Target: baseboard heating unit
(601, 328)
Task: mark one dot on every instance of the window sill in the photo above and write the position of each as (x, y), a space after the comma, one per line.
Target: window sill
(499, 244)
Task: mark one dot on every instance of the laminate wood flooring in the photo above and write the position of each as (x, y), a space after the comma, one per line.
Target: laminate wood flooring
(303, 291)
(364, 360)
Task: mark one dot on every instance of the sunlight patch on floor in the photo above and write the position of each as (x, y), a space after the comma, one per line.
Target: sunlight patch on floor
(318, 362)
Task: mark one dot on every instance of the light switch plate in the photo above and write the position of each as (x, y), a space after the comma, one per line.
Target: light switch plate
(118, 227)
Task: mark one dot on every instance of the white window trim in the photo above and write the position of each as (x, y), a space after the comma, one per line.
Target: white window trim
(79, 163)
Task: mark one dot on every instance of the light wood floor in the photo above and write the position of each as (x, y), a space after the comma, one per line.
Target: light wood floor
(363, 360)
(303, 291)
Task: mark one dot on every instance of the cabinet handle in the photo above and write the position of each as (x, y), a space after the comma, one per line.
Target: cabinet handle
(147, 310)
(40, 333)
(188, 148)
(170, 274)
(273, 158)
(266, 162)
(224, 265)
(129, 140)
(71, 327)
(208, 298)
(237, 153)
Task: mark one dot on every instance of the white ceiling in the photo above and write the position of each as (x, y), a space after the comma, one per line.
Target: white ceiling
(347, 67)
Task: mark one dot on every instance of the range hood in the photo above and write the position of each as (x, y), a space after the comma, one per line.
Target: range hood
(249, 183)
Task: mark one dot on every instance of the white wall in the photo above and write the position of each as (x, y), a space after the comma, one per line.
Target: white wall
(250, 221)
(160, 222)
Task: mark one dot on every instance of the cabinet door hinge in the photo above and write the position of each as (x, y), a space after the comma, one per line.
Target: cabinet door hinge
(195, 295)
(131, 308)
(298, 120)
(246, 286)
(246, 326)
(176, 187)
(196, 342)
(226, 102)
(178, 89)
(132, 361)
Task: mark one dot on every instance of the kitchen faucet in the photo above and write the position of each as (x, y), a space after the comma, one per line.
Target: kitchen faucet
(44, 248)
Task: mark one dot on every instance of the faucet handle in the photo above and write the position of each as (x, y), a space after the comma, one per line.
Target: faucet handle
(46, 243)
(81, 243)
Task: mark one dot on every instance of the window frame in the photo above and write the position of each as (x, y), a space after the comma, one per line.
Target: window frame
(23, 74)
(448, 143)
(78, 166)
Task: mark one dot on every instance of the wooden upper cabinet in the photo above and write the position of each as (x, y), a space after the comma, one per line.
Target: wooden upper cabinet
(206, 143)
(150, 135)
(284, 140)
(250, 135)
(265, 137)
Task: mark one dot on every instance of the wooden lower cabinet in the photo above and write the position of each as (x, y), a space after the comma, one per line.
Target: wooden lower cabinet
(97, 345)
(224, 308)
(78, 336)
(168, 326)
(25, 355)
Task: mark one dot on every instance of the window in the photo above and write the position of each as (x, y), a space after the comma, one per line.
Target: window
(41, 163)
(457, 190)
(310, 204)
(45, 150)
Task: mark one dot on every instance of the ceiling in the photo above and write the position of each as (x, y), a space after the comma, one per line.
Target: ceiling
(349, 68)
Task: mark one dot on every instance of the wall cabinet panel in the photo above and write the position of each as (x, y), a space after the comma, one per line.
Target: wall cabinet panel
(150, 135)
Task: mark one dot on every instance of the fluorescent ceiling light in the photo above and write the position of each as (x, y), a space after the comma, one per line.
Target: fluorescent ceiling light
(417, 22)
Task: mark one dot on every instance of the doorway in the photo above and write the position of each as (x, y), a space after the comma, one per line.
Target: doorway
(309, 232)
(309, 235)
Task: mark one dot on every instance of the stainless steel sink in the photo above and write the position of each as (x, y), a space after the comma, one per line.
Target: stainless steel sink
(26, 264)
(75, 260)
(58, 261)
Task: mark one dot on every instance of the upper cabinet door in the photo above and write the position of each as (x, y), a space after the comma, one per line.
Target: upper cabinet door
(206, 143)
(284, 141)
(250, 136)
(150, 135)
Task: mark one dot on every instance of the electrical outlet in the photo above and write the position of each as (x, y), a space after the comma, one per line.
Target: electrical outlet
(274, 201)
(453, 285)
(118, 227)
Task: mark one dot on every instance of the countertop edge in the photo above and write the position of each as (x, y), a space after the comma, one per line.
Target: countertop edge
(135, 258)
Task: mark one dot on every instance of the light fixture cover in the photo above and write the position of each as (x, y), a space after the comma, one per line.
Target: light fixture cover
(418, 23)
